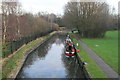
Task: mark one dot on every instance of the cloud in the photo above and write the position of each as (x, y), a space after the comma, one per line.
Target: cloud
(51, 6)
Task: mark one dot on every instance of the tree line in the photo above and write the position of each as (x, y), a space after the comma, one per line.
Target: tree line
(20, 27)
(91, 19)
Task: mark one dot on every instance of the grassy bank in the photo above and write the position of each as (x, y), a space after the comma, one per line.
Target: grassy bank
(106, 48)
(11, 64)
(92, 68)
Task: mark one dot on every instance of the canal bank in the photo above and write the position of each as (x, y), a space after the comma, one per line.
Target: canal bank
(49, 61)
(12, 65)
(92, 68)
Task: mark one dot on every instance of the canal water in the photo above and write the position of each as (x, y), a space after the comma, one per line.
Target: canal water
(49, 61)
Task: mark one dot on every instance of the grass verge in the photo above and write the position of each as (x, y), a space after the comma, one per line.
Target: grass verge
(11, 64)
(106, 48)
(91, 66)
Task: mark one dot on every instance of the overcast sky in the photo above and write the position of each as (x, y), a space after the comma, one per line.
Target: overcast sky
(53, 6)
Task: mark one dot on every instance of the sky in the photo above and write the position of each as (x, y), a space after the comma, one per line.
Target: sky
(53, 6)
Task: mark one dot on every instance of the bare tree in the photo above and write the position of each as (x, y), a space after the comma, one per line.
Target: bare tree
(89, 18)
(20, 28)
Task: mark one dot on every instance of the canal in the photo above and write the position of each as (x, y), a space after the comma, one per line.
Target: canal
(49, 61)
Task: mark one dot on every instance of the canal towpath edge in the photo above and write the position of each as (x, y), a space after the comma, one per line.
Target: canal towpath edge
(105, 67)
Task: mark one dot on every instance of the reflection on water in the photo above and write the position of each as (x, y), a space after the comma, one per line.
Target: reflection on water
(49, 61)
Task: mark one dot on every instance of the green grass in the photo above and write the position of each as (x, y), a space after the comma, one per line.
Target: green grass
(106, 48)
(13, 62)
(93, 69)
